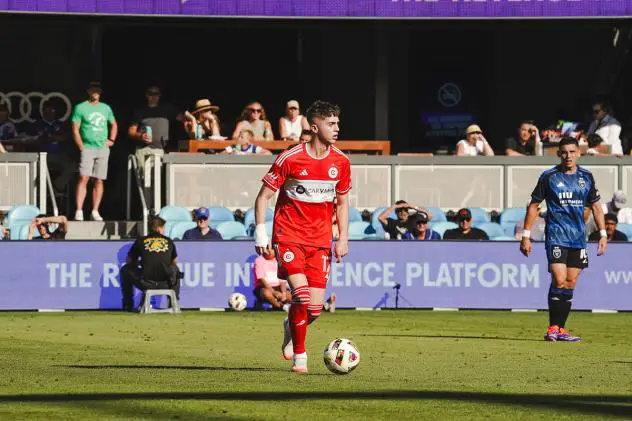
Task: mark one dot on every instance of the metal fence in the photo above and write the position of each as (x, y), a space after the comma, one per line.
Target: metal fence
(18, 174)
(445, 182)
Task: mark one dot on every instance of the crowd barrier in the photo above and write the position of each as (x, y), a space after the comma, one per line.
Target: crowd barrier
(445, 182)
(494, 275)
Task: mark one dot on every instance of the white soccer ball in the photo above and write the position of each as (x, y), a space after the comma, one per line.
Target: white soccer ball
(237, 301)
(341, 356)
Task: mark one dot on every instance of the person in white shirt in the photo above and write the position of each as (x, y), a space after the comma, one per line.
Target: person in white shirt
(292, 124)
(474, 143)
(616, 207)
(607, 127)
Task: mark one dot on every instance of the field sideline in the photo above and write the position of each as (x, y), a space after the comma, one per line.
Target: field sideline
(227, 366)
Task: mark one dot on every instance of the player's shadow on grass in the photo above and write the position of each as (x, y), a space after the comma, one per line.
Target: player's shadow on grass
(612, 405)
(167, 367)
(495, 338)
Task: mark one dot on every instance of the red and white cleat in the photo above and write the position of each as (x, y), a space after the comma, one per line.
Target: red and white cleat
(300, 363)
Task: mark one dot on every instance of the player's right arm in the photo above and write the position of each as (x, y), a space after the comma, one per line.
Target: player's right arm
(529, 219)
(272, 181)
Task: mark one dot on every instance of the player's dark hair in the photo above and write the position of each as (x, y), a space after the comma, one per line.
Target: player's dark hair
(322, 109)
(567, 140)
(155, 223)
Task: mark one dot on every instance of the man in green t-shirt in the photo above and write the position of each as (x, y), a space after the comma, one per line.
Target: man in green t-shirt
(90, 121)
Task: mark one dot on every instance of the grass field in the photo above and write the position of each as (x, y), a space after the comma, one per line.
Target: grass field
(227, 366)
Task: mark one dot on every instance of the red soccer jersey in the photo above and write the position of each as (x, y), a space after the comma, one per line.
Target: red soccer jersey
(308, 186)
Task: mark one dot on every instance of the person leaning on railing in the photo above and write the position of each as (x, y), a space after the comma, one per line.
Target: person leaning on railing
(42, 224)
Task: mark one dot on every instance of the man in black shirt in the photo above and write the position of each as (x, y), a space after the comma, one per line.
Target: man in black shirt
(152, 125)
(398, 228)
(611, 230)
(157, 268)
(525, 143)
(42, 225)
(465, 231)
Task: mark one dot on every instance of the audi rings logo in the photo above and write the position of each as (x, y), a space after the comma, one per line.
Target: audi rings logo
(30, 106)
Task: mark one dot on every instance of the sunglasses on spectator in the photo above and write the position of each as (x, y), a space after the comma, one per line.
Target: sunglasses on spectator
(202, 218)
(256, 110)
(292, 108)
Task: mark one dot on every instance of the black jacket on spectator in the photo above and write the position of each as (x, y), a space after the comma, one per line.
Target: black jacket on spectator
(396, 228)
(617, 236)
(528, 149)
(473, 234)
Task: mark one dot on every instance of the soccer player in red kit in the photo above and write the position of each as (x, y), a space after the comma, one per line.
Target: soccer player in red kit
(308, 177)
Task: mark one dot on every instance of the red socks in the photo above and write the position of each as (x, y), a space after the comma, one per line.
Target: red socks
(298, 318)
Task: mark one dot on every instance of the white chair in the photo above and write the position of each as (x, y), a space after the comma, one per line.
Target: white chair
(146, 307)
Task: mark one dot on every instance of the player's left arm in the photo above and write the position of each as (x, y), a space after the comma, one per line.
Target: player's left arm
(597, 210)
(341, 248)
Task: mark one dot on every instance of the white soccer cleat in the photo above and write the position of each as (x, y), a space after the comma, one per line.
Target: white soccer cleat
(331, 303)
(300, 363)
(79, 215)
(96, 216)
(287, 347)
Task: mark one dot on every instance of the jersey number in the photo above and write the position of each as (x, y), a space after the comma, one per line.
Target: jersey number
(326, 267)
(583, 255)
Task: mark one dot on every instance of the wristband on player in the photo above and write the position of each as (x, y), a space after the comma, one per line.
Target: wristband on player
(526, 234)
(261, 236)
(603, 234)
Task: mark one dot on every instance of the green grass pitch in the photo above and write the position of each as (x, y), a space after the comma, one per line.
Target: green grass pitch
(415, 365)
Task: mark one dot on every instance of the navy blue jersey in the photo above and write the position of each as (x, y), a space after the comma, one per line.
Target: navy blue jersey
(566, 196)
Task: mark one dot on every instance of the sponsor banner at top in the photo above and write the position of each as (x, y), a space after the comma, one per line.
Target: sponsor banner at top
(333, 8)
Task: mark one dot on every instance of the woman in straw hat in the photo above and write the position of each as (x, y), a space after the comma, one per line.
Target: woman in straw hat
(253, 118)
(202, 122)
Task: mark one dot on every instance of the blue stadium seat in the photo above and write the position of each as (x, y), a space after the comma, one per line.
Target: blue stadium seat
(20, 215)
(509, 217)
(220, 214)
(249, 218)
(354, 215)
(21, 232)
(231, 229)
(176, 229)
(626, 229)
(358, 230)
(175, 213)
(377, 225)
(443, 226)
(479, 215)
(504, 238)
(437, 214)
(492, 229)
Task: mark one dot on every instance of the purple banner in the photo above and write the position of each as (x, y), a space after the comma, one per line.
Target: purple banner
(84, 275)
(333, 8)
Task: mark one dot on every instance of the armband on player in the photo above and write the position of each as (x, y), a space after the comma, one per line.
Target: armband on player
(261, 236)
(603, 234)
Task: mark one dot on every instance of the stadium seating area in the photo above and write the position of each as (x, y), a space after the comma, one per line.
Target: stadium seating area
(179, 220)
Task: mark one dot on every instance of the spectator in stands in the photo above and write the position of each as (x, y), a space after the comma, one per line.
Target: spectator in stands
(398, 228)
(538, 229)
(157, 269)
(606, 126)
(42, 224)
(420, 229)
(52, 137)
(611, 230)
(268, 287)
(202, 231)
(465, 231)
(7, 127)
(528, 141)
(90, 132)
(616, 207)
(254, 117)
(596, 146)
(474, 143)
(306, 136)
(151, 126)
(292, 124)
(244, 145)
(4, 232)
(202, 122)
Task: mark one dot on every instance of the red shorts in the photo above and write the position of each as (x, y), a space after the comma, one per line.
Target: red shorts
(313, 262)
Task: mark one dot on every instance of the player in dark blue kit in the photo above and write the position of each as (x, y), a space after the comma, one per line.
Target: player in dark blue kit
(567, 189)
